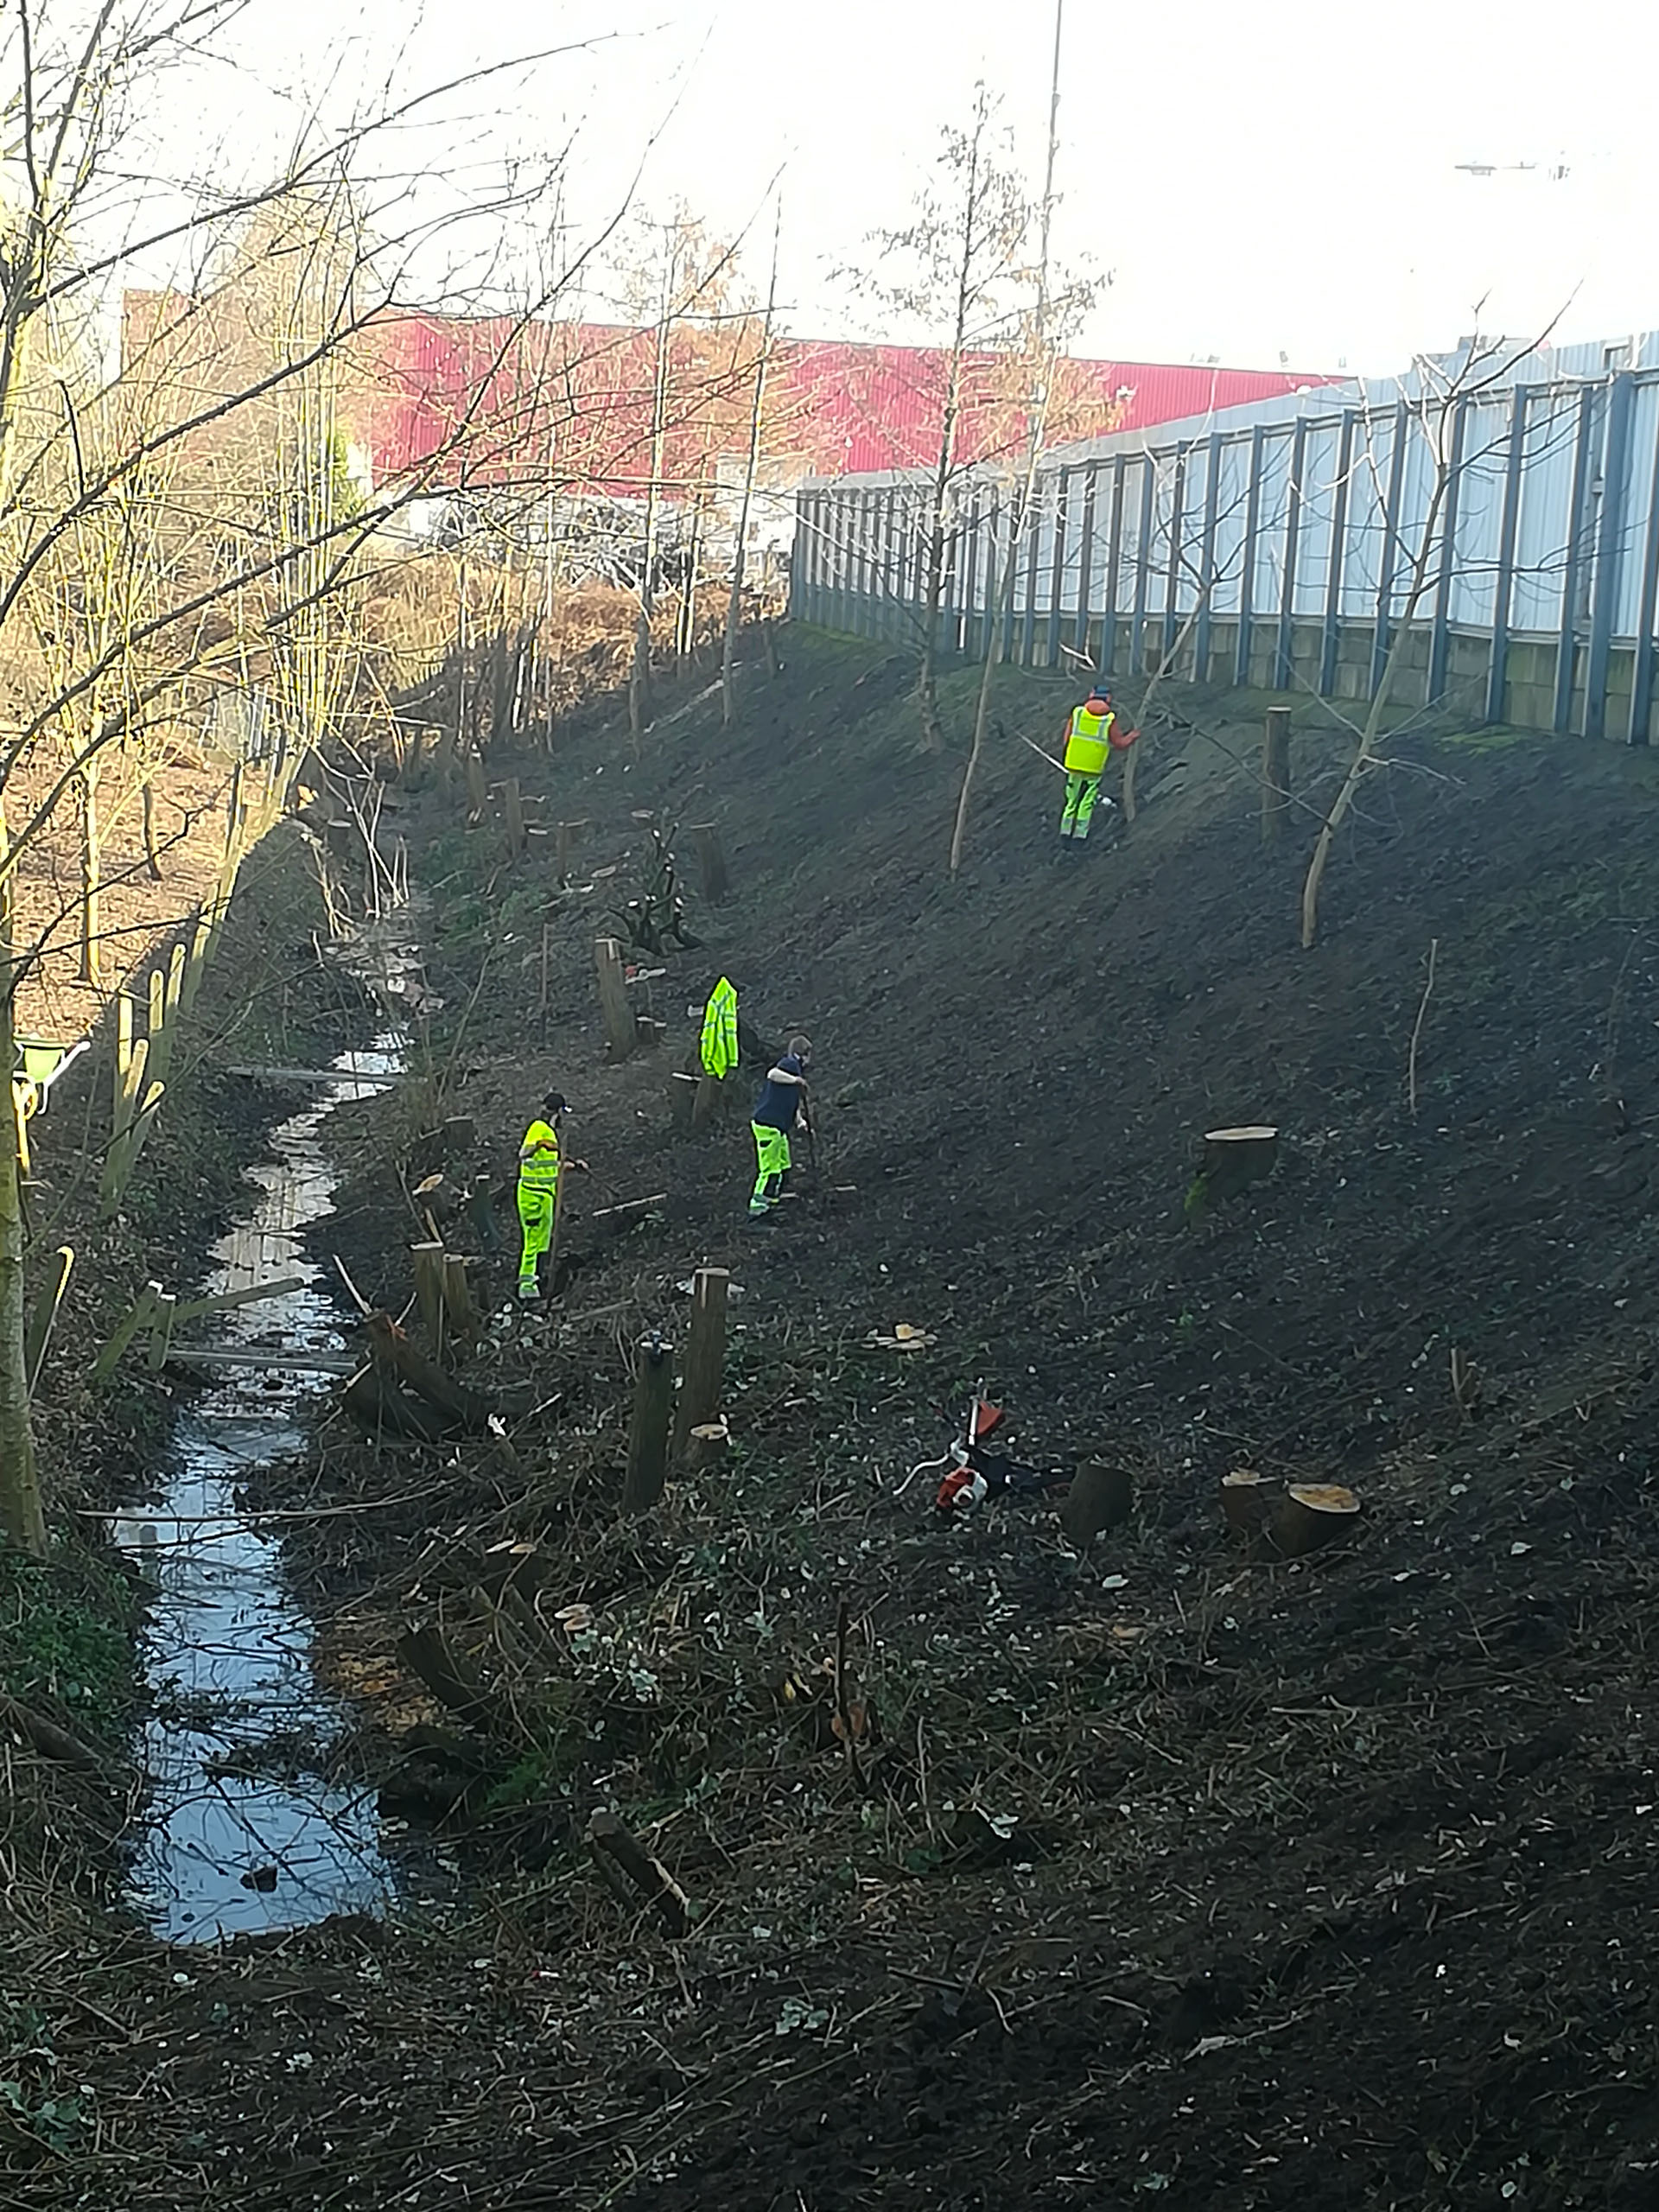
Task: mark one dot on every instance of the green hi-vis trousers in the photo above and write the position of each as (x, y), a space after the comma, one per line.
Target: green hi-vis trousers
(535, 1204)
(772, 1151)
(1081, 793)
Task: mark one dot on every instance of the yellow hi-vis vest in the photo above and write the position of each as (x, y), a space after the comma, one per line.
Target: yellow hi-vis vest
(1088, 741)
(719, 1048)
(538, 1158)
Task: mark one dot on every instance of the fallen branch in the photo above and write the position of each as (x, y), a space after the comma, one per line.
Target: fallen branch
(1417, 1027)
(615, 1848)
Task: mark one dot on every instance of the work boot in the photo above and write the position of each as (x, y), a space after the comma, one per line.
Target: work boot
(529, 1287)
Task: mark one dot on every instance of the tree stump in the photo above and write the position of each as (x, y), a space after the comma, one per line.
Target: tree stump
(477, 796)
(682, 1102)
(1099, 1498)
(1234, 1159)
(1312, 1514)
(1245, 1496)
(711, 863)
(620, 1032)
(653, 1411)
(706, 1444)
(705, 1356)
(428, 1290)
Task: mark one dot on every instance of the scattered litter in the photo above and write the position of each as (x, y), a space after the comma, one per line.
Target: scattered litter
(1115, 1582)
(1518, 1549)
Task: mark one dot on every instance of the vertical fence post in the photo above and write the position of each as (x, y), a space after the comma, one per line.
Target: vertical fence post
(1284, 656)
(1610, 550)
(1207, 563)
(1391, 521)
(1565, 651)
(1173, 579)
(1247, 559)
(1085, 555)
(1503, 581)
(1328, 644)
(1033, 532)
(1057, 569)
(654, 1407)
(1114, 564)
(1642, 672)
(1439, 633)
(1142, 561)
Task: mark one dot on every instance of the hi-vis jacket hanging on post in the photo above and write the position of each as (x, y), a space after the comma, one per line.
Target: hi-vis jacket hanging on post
(719, 1048)
(539, 1163)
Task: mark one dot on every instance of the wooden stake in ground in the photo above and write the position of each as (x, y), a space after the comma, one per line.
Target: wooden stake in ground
(619, 1852)
(653, 1409)
(1312, 1514)
(1275, 773)
(1100, 1498)
(512, 817)
(45, 1312)
(620, 1035)
(705, 1356)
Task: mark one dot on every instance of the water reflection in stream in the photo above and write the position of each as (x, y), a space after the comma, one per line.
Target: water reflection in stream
(248, 1829)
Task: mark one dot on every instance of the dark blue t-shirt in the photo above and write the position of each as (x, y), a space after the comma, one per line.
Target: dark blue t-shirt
(775, 1107)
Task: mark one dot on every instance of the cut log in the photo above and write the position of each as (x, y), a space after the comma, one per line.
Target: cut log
(611, 1843)
(48, 1738)
(1245, 1497)
(1100, 1498)
(1311, 1515)
(383, 1413)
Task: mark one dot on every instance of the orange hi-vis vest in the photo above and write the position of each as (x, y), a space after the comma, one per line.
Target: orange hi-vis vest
(1088, 741)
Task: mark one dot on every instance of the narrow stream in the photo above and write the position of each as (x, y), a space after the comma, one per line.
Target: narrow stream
(247, 1826)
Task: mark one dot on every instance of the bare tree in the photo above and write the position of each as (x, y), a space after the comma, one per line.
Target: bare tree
(962, 261)
(1431, 412)
(750, 472)
(120, 670)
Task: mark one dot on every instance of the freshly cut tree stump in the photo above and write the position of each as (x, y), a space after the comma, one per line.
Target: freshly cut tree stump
(706, 1444)
(1245, 1497)
(1099, 1498)
(1312, 1514)
(1234, 1158)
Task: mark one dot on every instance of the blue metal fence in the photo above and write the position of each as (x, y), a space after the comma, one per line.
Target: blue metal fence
(1277, 546)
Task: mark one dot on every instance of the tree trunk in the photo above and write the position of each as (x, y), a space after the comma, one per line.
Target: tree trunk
(23, 1517)
(1365, 751)
(752, 469)
(91, 865)
(640, 673)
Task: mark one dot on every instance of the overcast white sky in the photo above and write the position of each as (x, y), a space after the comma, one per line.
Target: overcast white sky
(1263, 177)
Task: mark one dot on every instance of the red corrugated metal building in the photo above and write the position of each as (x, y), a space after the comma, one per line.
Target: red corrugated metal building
(490, 403)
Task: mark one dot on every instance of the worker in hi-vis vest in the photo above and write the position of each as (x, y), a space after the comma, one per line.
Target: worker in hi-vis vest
(1088, 743)
(539, 1162)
